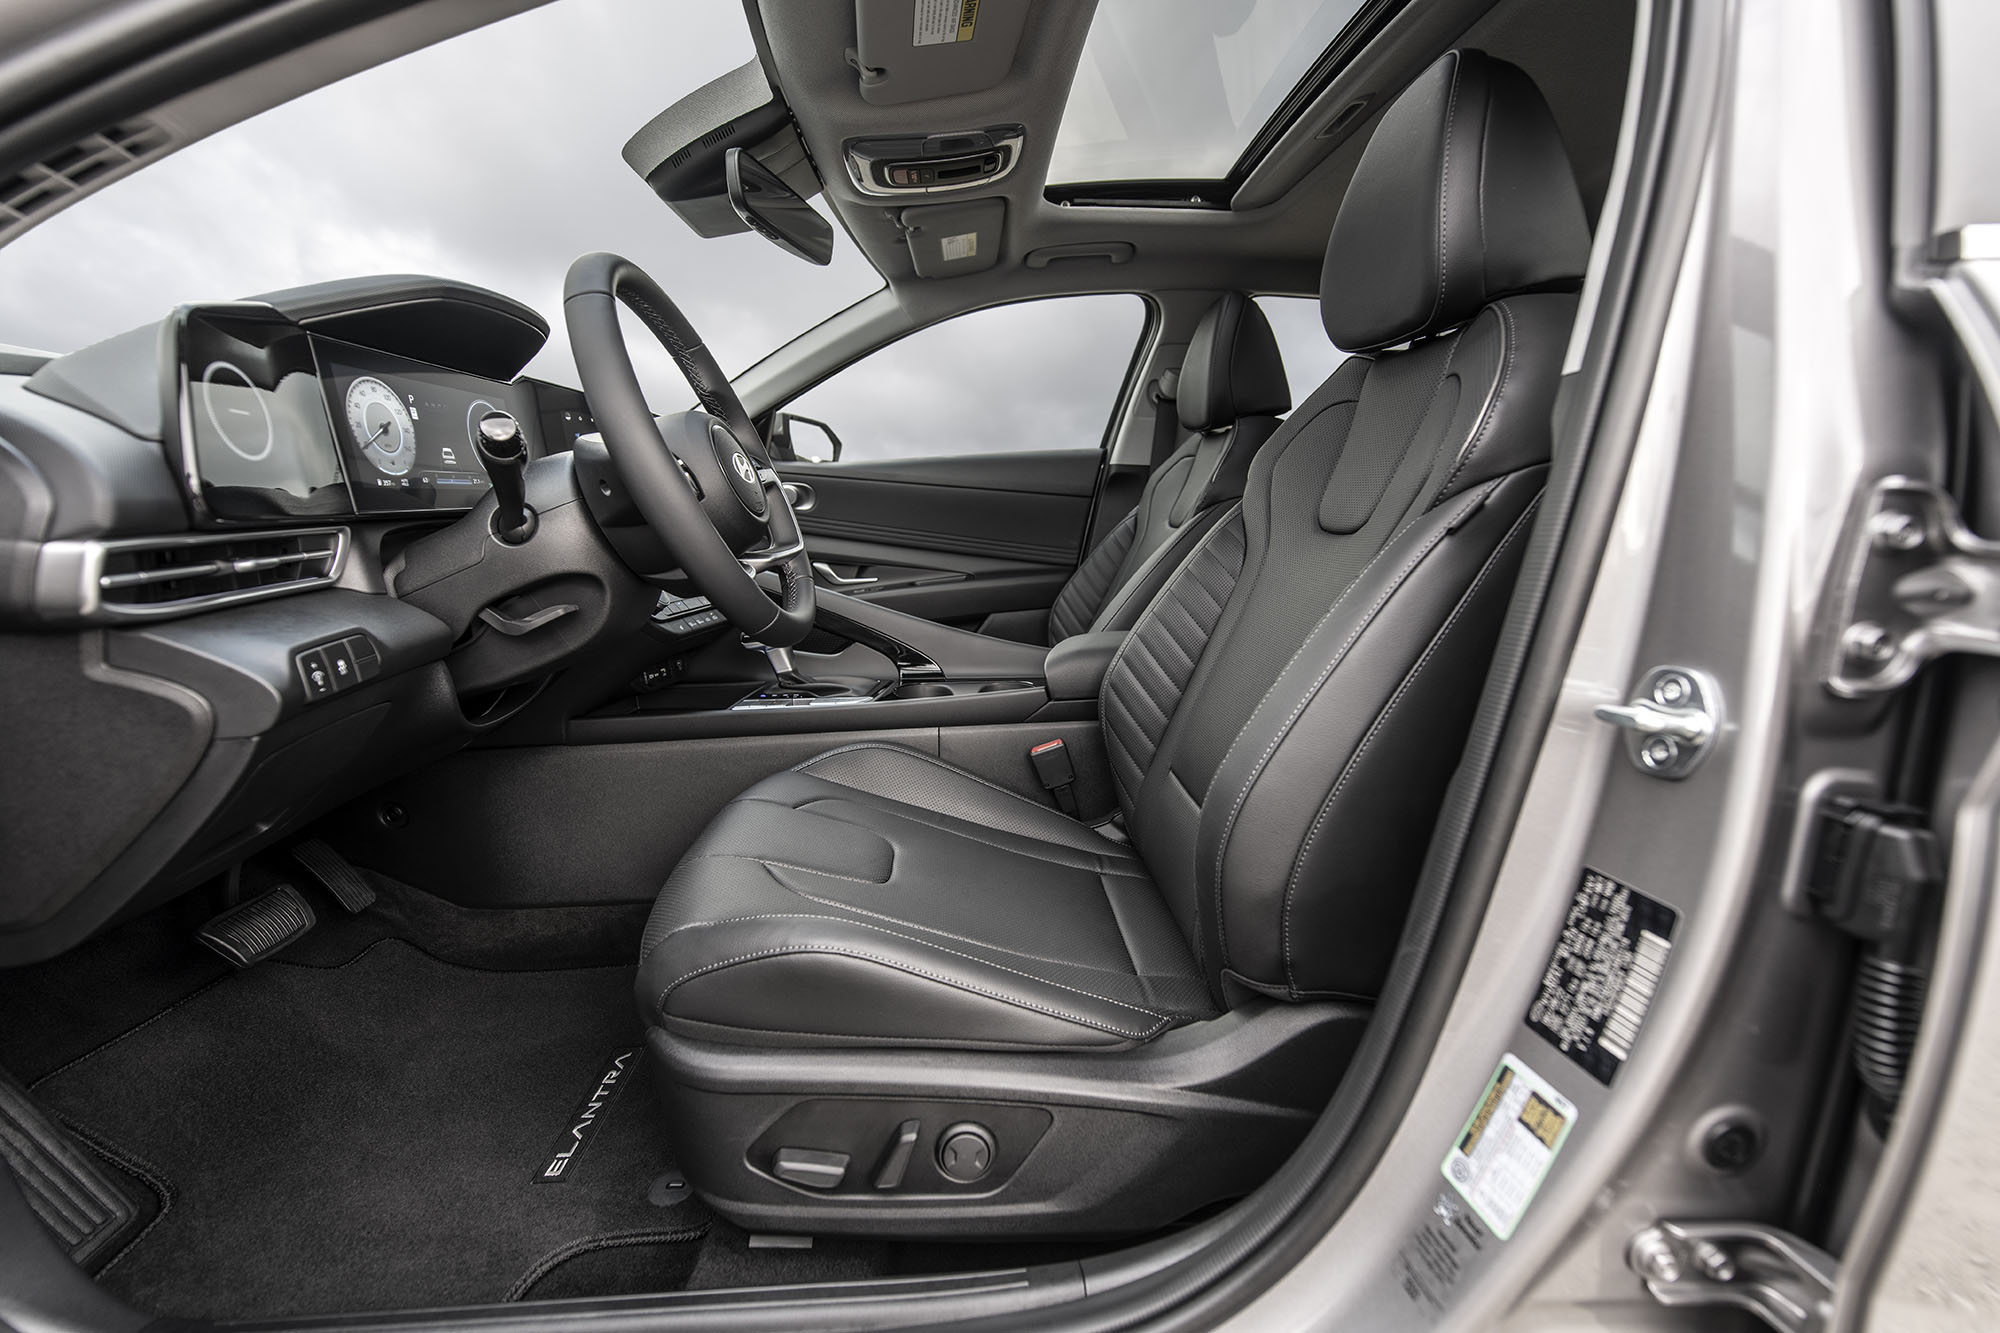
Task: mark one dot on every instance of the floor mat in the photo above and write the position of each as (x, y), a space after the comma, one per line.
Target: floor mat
(371, 1136)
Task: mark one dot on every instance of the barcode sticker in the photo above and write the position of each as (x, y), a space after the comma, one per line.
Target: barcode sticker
(1603, 974)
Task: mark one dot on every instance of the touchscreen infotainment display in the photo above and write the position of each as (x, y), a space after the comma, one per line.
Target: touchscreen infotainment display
(406, 428)
(252, 425)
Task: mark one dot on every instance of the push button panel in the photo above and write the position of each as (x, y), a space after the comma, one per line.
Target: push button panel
(330, 668)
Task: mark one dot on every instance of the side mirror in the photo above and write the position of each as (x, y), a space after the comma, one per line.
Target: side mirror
(785, 445)
(774, 211)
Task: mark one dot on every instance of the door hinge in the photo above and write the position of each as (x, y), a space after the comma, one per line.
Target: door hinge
(1916, 584)
(1745, 1265)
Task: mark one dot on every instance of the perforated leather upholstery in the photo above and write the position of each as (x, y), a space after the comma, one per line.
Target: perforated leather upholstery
(1281, 722)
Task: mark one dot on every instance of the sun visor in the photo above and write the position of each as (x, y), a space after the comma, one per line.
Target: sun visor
(680, 152)
(949, 239)
(914, 50)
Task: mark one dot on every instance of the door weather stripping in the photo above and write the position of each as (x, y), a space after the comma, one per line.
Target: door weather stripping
(1917, 584)
(1671, 722)
(1745, 1265)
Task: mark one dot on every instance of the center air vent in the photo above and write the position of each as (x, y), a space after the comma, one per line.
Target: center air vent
(178, 574)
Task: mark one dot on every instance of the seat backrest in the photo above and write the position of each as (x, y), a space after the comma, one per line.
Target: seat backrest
(1284, 718)
(1232, 388)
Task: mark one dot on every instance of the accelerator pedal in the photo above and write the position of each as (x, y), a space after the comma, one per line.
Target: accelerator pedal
(335, 873)
(248, 933)
(75, 1198)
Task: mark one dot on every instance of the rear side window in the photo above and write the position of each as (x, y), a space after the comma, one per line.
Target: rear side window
(1308, 354)
(1033, 376)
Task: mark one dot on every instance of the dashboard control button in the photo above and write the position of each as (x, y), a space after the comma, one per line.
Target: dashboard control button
(340, 662)
(367, 661)
(315, 675)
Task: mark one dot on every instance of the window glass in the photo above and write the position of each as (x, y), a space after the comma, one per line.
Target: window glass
(491, 157)
(1175, 89)
(1014, 378)
(1308, 354)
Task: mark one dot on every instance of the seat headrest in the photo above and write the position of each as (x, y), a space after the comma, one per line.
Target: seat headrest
(1232, 368)
(1464, 195)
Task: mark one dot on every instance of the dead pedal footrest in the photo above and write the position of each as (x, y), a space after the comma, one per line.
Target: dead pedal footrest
(336, 873)
(250, 932)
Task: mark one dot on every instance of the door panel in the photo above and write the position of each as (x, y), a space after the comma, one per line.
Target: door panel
(950, 538)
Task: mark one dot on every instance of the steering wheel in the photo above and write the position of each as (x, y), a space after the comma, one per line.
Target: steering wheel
(701, 479)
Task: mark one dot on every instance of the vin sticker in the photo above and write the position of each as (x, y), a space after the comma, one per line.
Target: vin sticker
(618, 1071)
(1600, 980)
(1508, 1144)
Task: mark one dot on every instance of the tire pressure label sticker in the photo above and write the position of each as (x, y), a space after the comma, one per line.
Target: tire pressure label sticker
(940, 22)
(1508, 1143)
(1600, 980)
(619, 1070)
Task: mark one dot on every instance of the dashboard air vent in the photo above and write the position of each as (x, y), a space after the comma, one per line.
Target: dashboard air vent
(53, 182)
(174, 574)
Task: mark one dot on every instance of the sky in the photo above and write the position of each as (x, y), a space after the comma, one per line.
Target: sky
(431, 164)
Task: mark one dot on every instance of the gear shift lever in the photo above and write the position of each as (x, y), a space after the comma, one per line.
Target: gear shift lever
(504, 451)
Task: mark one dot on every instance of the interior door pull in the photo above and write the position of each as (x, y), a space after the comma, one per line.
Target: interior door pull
(833, 580)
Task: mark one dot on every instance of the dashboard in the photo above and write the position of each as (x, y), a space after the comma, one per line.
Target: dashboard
(278, 424)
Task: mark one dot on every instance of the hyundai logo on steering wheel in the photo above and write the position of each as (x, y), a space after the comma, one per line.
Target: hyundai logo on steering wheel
(743, 468)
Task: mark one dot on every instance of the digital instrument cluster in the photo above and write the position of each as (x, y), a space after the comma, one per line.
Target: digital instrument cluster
(278, 423)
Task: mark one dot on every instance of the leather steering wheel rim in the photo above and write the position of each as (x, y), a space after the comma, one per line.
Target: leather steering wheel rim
(702, 479)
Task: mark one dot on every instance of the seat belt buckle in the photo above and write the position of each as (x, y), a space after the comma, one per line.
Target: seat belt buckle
(1055, 772)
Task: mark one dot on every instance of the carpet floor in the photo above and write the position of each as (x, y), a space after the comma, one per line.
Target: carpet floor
(372, 1135)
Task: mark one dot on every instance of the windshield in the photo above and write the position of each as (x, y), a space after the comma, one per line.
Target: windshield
(492, 158)
(1174, 89)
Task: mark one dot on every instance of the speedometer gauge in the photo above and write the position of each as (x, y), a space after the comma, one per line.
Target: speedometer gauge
(381, 425)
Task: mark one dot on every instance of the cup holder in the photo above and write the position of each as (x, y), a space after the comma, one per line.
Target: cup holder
(924, 689)
(990, 686)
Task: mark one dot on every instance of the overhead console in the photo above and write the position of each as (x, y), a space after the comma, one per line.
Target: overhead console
(933, 163)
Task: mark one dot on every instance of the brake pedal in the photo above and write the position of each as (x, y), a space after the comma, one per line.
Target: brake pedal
(335, 873)
(248, 933)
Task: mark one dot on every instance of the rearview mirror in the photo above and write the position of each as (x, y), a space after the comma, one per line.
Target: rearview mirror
(774, 211)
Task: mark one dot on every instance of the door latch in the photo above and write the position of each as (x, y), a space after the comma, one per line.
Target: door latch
(1744, 1265)
(1917, 584)
(1671, 722)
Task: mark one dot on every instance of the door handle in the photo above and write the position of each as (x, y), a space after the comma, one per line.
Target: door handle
(833, 580)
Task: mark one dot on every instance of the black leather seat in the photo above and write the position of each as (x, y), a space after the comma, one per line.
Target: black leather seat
(1281, 725)
(1232, 389)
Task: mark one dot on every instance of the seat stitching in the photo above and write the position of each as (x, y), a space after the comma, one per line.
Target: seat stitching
(1444, 185)
(1016, 1001)
(1116, 855)
(1487, 412)
(935, 762)
(787, 865)
(1326, 807)
(984, 962)
(1284, 728)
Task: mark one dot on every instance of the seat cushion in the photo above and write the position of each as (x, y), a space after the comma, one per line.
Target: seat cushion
(877, 895)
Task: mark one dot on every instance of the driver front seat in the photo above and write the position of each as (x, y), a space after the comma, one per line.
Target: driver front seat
(889, 996)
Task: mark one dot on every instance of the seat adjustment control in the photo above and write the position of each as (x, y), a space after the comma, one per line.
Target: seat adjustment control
(810, 1167)
(965, 1152)
(896, 1162)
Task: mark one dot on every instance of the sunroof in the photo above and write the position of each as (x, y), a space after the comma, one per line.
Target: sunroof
(1177, 90)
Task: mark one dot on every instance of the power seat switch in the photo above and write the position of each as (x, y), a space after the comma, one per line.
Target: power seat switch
(810, 1167)
(1055, 772)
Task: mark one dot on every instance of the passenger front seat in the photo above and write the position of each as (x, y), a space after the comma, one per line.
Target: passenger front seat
(891, 997)
(1232, 391)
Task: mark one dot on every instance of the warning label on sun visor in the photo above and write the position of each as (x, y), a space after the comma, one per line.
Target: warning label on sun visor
(1600, 980)
(943, 21)
(965, 245)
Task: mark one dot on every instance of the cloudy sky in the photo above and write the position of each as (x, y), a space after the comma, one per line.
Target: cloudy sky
(398, 169)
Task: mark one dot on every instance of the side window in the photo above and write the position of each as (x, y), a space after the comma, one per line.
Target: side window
(1037, 375)
(1308, 354)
